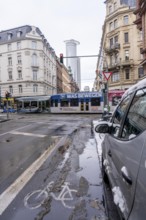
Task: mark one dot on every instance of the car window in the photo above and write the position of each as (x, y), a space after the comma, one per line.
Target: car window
(135, 122)
(119, 114)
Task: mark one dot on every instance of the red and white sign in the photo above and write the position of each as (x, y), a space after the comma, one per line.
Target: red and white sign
(107, 75)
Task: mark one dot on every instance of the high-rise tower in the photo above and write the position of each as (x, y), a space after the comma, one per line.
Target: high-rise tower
(73, 63)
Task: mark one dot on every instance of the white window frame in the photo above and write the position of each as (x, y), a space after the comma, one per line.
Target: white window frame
(18, 45)
(19, 74)
(20, 88)
(11, 89)
(19, 60)
(126, 19)
(10, 74)
(35, 88)
(9, 61)
(35, 75)
(34, 44)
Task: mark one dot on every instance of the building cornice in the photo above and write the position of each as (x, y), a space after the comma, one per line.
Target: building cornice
(117, 13)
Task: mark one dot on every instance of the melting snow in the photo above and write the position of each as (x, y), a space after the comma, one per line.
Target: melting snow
(119, 198)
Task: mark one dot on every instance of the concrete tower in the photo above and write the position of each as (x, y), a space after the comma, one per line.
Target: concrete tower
(73, 63)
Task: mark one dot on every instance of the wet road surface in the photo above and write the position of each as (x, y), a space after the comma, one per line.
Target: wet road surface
(67, 185)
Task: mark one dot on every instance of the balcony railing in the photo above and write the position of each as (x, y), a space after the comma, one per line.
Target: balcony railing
(129, 62)
(119, 64)
(115, 47)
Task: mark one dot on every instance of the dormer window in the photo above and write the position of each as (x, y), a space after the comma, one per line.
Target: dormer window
(19, 33)
(10, 35)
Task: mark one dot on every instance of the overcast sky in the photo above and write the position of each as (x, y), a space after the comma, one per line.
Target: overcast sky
(61, 20)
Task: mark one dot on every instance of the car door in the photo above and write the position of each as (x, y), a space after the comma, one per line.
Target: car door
(123, 155)
(139, 120)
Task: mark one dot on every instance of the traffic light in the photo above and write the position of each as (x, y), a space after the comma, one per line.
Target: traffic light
(7, 95)
(61, 58)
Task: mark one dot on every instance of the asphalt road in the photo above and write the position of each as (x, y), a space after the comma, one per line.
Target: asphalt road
(49, 168)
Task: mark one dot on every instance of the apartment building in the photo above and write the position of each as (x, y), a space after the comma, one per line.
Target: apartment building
(27, 63)
(120, 49)
(140, 21)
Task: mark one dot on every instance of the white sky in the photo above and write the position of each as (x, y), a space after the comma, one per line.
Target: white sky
(61, 20)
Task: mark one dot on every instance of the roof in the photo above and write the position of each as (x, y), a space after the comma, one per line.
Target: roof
(14, 31)
(34, 98)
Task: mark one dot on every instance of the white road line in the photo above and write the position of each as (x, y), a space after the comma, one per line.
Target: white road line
(11, 192)
(15, 129)
(27, 134)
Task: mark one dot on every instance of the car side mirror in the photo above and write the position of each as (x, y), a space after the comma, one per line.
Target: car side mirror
(102, 128)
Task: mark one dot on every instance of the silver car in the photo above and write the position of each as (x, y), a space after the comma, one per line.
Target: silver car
(124, 153)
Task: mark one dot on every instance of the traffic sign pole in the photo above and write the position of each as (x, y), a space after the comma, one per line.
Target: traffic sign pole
(107, 76)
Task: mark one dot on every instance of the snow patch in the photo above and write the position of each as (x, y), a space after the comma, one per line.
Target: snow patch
(119, 198)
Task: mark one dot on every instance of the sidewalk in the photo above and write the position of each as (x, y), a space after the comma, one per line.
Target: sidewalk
(4, 117)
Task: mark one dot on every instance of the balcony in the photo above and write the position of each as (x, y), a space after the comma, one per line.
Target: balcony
(125, 63)
(114, 48)
(35, 65)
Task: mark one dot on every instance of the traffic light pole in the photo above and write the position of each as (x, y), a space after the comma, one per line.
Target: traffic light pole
(7, 109)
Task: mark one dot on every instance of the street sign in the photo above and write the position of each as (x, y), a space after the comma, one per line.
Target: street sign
(107, 75)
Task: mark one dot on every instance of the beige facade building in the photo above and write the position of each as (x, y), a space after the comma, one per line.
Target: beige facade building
(121, 45)
(141, 25)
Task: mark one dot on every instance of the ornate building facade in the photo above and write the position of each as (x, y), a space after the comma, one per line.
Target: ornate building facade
(120, 49)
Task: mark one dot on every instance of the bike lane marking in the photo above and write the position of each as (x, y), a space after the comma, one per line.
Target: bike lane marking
(12, 191)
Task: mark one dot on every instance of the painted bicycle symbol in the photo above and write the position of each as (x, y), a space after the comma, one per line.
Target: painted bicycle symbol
(35, 199)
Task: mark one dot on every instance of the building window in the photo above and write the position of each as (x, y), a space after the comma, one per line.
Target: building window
(111, 42)
(115, 23)
(127, 73)
(111, 60)
(9, 61)
(111, 27)
(126, 19)
(19, 74)
(116, 39)
(19, 59)
(34, 45)
(141, 55)
(126, 54)
(18, 45)
(11, 89)
(20, 88)
(126, 37)
(140, 72)
(141, 35)
(9, 47)
(35, 75)
(115, 6)
(9, 36)
(116, 58)
(110, 9)
(34, 60)
(10, 75)
(115, 77)
(35, 88)
(19, 33)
